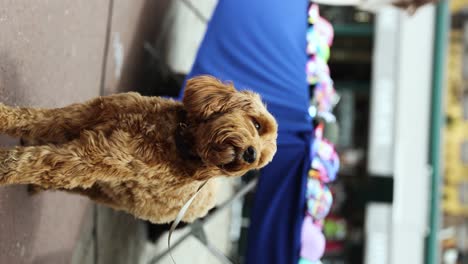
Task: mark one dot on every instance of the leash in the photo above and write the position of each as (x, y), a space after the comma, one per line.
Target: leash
(240, 193)
(179, 217)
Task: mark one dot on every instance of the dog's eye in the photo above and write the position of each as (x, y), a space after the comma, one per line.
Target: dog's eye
(257, 125)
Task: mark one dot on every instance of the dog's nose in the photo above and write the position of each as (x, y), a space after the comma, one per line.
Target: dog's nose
(250, 155)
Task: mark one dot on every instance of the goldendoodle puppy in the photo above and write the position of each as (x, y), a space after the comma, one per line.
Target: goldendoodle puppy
(143, 155)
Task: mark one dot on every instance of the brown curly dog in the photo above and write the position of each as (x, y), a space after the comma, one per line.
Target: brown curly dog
(143, 155)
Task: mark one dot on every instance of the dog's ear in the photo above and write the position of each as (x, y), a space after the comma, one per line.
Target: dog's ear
(205, 95)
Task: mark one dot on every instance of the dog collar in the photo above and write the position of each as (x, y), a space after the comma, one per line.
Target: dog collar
(182, 139)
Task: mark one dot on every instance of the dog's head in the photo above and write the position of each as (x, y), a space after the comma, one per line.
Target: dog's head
(231, 130)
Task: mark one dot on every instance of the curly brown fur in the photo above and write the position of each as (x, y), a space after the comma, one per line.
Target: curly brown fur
(143, 155)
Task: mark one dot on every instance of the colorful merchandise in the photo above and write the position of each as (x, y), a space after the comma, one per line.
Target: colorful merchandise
(335, 228)
(324, 159)
(316, 44)
(317, 72)
(325, 30)
(313, 13)
(313, 241)
(319, 199)
(325, 96)
(305, 261)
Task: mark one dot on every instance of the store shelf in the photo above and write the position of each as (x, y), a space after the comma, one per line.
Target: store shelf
(354, 30)
(355, 86)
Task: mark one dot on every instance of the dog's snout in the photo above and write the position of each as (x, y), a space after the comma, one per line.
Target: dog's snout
(250, 155)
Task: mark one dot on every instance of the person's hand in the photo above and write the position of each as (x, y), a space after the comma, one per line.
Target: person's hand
(412, 5)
